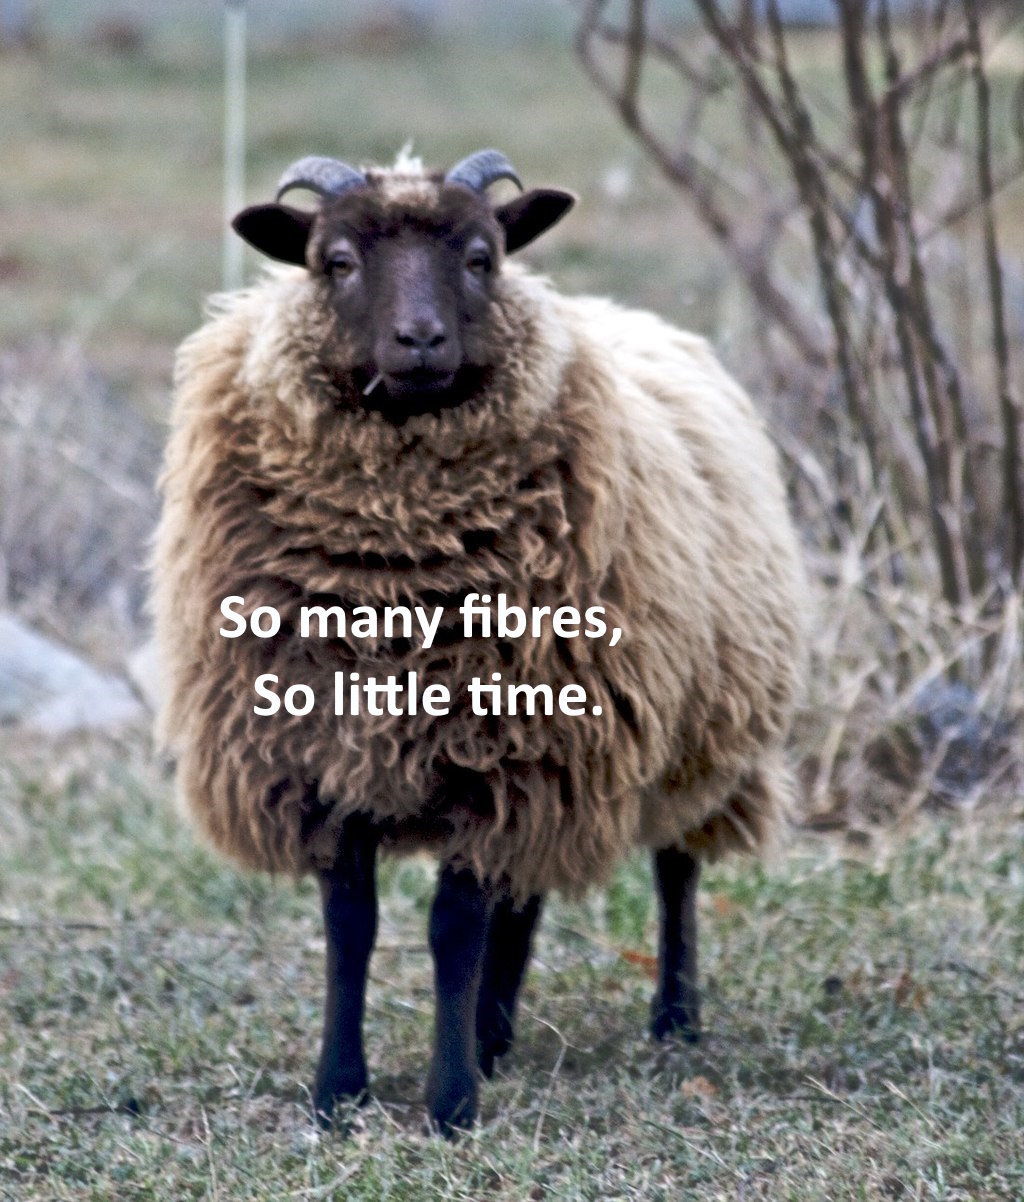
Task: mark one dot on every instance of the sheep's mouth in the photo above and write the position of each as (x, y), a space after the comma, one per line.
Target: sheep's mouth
(419, 381)
(398, 396)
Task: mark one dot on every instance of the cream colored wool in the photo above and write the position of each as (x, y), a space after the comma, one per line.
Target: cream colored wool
(611, 462)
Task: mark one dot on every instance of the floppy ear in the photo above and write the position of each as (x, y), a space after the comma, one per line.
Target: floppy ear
(529, 215)
(277, 230)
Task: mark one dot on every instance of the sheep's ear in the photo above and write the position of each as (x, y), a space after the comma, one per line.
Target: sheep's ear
(529, 215)
(277, 230)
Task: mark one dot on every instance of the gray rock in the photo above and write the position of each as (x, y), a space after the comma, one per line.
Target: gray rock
(975, 741)
(51, 689)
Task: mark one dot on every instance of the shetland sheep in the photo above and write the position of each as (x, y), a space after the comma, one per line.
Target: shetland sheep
(404, 418)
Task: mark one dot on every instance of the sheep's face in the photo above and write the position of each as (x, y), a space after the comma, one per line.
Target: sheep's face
(410, 265)
(412, 286)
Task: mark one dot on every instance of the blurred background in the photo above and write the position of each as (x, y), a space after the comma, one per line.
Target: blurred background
(832, 191)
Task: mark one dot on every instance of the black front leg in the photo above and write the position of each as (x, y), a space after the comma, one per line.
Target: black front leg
(676, 1006)
(508, 951)
(349, 893)
(458, 936)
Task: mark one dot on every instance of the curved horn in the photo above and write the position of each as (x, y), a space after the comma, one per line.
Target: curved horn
(482, 169)
(328, 177)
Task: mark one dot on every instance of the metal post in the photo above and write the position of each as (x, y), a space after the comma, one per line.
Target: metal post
(234, 136)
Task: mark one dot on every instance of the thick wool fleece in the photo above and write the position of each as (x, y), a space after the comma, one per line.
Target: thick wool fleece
(610, 461)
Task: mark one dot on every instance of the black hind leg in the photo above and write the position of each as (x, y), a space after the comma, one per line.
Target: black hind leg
(508, 952)
(675, 1010)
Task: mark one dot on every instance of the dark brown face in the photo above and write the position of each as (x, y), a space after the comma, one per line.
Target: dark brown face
(413, 291)
(412, 284)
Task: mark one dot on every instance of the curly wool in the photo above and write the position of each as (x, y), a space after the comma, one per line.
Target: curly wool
(610, 461)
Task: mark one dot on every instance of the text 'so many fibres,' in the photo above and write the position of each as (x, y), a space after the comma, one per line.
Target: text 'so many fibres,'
(354, 694)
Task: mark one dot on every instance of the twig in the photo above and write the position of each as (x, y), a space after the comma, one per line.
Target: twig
(551, 1082)
(661, 47)
(1009, 402)
(938, 371)
(635, 47)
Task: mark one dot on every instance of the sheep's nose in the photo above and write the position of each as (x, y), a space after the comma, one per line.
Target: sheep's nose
(422, 336)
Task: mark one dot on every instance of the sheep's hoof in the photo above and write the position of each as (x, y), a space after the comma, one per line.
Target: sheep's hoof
(452, 1106)
(335, 1100)
(675, 1020)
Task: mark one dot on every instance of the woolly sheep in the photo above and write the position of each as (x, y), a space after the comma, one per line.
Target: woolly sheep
(402, 417)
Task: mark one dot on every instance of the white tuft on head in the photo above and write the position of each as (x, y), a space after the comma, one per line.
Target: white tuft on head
(407, 163)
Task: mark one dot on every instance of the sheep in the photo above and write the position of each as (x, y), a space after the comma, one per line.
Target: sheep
(401, 416)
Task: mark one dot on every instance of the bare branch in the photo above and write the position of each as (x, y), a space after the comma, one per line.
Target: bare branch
(1009, 402)
(635, 46)
(683, 168)
(658, 46)
(862, 180)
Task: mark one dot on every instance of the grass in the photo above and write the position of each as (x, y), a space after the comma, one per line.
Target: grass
(160, 1018)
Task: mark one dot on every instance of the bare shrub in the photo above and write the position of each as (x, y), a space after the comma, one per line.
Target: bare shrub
(871, 161)
(76, 498)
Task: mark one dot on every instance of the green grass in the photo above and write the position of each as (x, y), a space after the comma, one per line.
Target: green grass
(159, 1018)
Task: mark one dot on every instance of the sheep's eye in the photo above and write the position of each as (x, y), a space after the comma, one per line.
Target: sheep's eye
(478, 262)
(341, 266)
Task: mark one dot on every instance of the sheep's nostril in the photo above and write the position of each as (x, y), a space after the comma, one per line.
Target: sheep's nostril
(421, 338)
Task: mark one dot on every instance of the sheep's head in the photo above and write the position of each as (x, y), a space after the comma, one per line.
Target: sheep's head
(410, 262)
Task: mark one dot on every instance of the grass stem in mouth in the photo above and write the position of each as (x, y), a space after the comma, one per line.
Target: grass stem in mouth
(373, 384)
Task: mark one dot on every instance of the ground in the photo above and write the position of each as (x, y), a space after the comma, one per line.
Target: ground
(160, 1016)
